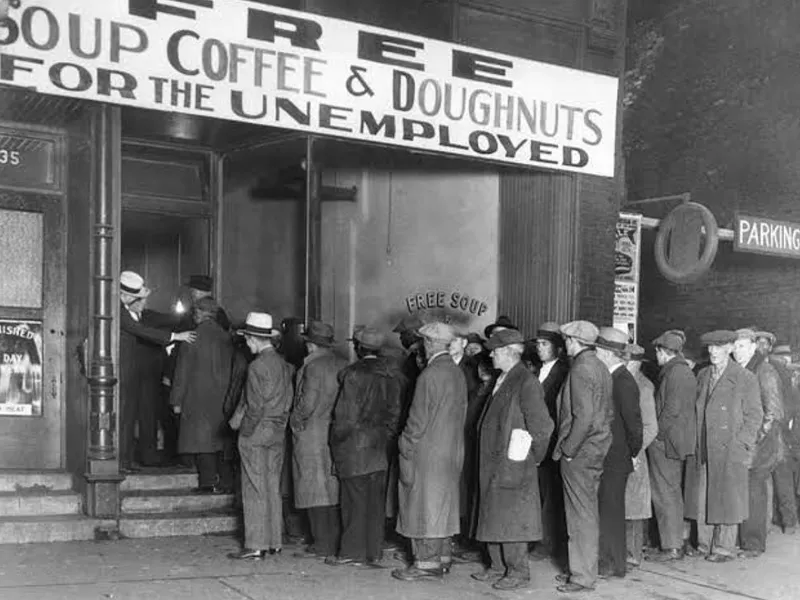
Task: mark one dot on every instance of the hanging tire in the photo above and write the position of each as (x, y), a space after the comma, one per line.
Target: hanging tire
(702, 266)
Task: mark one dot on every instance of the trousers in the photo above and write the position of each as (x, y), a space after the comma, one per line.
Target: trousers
(431, 553)
(666, 476)
(512, 558)
(581, 482)
(262, 463)
(363, 516)
(554, 525)
(753, 530)
(718, 539)
(784, 483)
(611, 497)
(325, 528)
(634, 538)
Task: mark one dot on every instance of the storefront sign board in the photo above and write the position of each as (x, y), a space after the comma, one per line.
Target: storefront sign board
(767, 236)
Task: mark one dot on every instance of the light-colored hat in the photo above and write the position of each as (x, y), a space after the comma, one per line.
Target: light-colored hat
(746, 334)
(583, 331)
(784, 350)
(133, 284)
(674, 340)
(634, 352)
(259, 325)
(370, 338)
(612, 339)
(438, 332)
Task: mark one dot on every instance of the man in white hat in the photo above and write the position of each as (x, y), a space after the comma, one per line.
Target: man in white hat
(139, 379)
(431, 450)
(261, 420)
(584, 437)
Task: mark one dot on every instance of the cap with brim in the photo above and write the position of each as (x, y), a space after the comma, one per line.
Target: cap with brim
(746, 334)
(718, 338)
(767, 336)
(634, 352)
(503, 322)
(550, 332)
(201, 283)
(670, 340)
(409, 323)
(583, 331)
(438, 332)
(504, 337)
(783, 350)
(319, 333)
(259, 325)
(612, 339)
(370, 338)
(474, 338)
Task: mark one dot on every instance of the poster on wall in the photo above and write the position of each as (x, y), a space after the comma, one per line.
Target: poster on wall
(21, 368)
(284, 68)
(627, 261)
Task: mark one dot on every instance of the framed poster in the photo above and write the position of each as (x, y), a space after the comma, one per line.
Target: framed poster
(627, 261)
(20, 368)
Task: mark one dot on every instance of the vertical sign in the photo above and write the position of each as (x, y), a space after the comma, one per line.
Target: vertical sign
(627, 259)
(21, 368)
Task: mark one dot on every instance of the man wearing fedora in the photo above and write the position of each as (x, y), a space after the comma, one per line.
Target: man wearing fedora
(139, 373)
(514, 435)
(552, 373)
(622, 456)
(675, 441)
(431, 456)
(584, 437)
(728, 416)
(202, 286)
(261, 419)
(365, 421)
(769, 445)
(316, 488)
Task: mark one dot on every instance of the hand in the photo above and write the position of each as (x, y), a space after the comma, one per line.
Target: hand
(176, 410)
(185, 336)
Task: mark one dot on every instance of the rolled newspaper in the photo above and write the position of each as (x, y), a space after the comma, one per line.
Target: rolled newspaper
(520, 445)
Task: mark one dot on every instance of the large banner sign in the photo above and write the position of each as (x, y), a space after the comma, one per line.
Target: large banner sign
(767, 236)
(244, 60)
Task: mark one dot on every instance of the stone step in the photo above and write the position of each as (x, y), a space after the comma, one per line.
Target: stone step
(159, 481)
(170, 501)
(62, 528)
(178, 524)
(32, 482)
(13, 504)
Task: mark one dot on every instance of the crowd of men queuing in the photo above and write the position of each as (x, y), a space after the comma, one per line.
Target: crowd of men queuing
(474, 448)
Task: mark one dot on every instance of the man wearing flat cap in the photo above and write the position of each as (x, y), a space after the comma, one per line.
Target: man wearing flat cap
(626, 443)
(365, 423)
(202, 286)
(502, 322)
(431, 448)
(509, 510)
(769, 446)
(676, 440)
(584, 437)
(728, 416)
(316, 488)
(552, 373)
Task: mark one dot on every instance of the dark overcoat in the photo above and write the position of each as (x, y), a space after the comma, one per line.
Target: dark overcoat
(431, 449)
(509, 508)
(626, 426)
(769, 445)
(202, 374)
(552, 388)
(314, 399)
(675, 409)
(585, 411)
(731, 415)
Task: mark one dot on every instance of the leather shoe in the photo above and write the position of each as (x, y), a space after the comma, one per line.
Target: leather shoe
(375, 564)
(511, 583)
(562, 578)
(340, 561)
(666, 555)
(689, 550)
(750, 554)
(414, 573)
(248, 554)
(573, 588)
(488, 575)
(719, 558)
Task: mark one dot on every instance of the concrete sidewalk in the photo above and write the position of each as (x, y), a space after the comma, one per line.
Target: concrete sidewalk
(196, 568)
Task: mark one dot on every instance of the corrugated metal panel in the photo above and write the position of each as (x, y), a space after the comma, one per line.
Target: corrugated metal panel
(538, 223)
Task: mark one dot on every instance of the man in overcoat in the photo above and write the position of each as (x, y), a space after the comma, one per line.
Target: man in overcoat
(728, 415)
(626, 442)
(431, 448)
(769, 446)
(139, 373)
(364, 423)
(509, 510)
(676, 440)
(316, 488)
(261, 419)
(201, 379)
(584, 437)
(552, 373)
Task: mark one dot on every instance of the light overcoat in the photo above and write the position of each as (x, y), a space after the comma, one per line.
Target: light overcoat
(431, 449)
(315, 397)
(509, 508)
(731, 414)
(637, 491)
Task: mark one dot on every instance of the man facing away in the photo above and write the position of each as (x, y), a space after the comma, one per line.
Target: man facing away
(261, 419)
(431, 449)
(316, 488)
(676, 440)
(584, 437)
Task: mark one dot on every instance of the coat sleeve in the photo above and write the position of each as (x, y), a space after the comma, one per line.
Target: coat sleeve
(771, 398)
(647, 405)
(184, 371)
(627, 399)
(137, 329)
(536, 416)
(307, 395)
(752, 412)
(258, 385)
(679, 384)
(394, 392)
(582, 389)
(418, 415)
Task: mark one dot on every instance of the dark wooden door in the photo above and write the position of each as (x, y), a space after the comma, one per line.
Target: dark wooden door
(32, 324)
